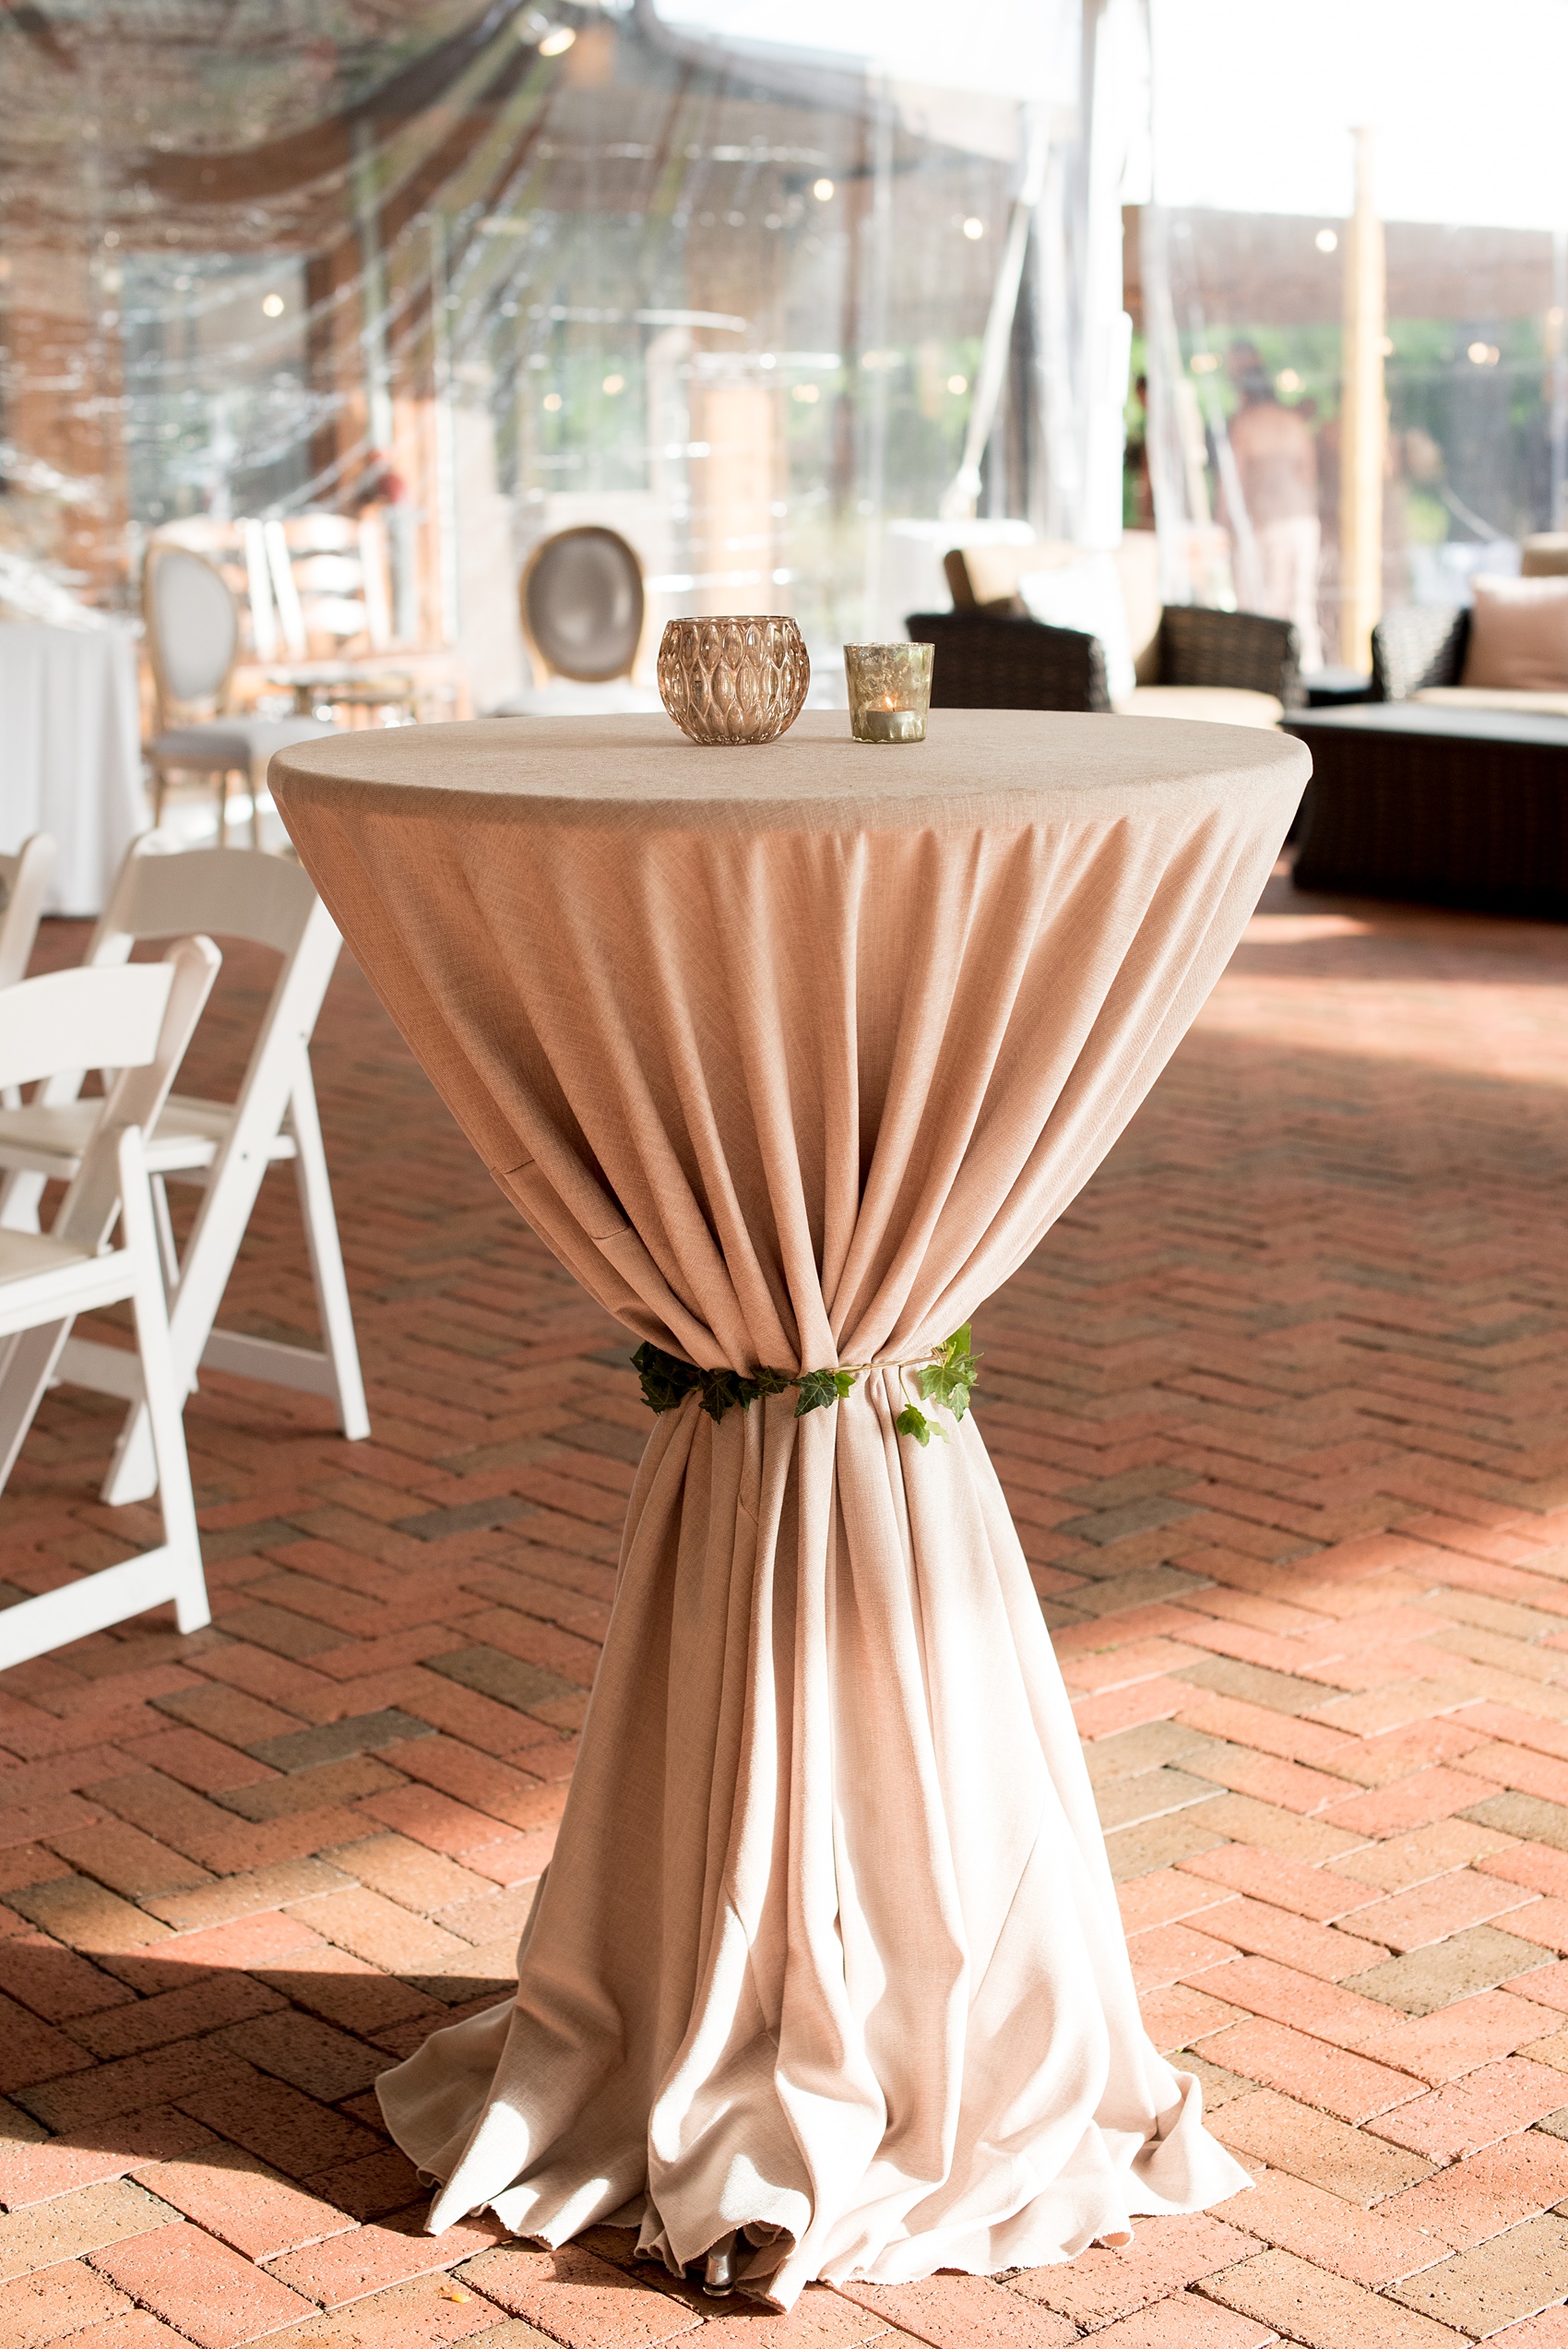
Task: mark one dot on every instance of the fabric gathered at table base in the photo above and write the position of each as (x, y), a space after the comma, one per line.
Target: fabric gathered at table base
(792, 1056)
(830, 1949)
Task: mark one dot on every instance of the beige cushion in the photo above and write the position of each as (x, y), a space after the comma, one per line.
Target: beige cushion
(1544, 556)
(1137, 561)
(1219, 705)
(1540, 704)
(1518, 635)
(986, 579)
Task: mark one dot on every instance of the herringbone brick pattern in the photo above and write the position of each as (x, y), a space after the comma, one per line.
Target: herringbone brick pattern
(1282, 1410)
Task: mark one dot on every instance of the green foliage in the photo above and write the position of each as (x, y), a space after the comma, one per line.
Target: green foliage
(722, 1390)
(949, 1378)
(820, 1388)
(666, 1380)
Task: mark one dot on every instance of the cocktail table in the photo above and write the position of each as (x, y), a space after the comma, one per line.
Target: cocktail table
(1449, 806)
(793, 1055)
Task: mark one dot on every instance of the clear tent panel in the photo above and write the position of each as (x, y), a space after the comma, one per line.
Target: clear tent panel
(365, 298)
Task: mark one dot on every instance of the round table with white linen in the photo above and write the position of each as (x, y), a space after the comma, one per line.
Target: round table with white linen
(70, 725)
(793, 1055)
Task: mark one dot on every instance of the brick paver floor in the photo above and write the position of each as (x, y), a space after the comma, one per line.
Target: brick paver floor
(1282, 1409)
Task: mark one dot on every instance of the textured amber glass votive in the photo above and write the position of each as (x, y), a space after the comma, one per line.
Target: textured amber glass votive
(889, 690)
(735, 678)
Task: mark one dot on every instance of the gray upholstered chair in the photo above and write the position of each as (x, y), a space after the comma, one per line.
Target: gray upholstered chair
(193, 634)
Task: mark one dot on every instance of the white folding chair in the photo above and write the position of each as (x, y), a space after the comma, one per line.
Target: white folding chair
(141, 1021)
(224, 1147)
(23, 879)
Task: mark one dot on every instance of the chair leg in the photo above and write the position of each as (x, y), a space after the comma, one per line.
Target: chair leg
(223, 807)
(164, 1401)
(169, 1253)
(160, 788)
(327, 1256)
(258, 782)
(26, 1369)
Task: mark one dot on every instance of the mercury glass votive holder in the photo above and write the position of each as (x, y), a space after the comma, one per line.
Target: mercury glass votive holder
(736, 678)
(889, 690)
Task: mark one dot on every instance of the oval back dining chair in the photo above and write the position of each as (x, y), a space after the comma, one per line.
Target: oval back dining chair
(582, 606)
(193, 636)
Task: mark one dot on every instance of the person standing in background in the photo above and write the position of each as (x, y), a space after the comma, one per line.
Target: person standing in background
(1276, 560)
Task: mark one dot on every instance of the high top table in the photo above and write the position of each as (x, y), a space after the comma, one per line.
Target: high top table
(793, 1055)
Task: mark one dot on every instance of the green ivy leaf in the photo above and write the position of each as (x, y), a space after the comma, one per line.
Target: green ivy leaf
(820, 1388)
(666, 1379)
(722, 1390)
(949, 1378)
(914, 1423)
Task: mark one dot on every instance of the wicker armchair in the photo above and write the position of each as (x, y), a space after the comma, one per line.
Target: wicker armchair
(996, 661)
(1423, 645)
(991, 661)
(1199, 646)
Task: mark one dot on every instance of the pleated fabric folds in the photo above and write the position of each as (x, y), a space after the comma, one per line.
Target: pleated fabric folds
(794, 1071)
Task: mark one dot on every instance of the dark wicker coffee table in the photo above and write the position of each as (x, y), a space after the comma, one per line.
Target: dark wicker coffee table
(1447, 807)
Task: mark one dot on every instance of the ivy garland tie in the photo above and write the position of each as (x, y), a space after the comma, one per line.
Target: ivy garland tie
(944, 1377)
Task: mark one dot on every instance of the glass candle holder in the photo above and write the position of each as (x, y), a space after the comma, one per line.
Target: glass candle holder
(735, 679)
(889, 690)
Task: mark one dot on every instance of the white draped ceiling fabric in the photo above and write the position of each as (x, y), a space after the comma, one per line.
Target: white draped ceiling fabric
(792, 1056)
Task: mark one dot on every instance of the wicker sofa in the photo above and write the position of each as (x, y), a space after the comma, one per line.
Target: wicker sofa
(1418, 655)
(1448, 794)
(1239, 668)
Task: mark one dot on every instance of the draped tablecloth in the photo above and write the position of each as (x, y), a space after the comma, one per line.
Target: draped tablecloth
(793, 1055)
(70, 754)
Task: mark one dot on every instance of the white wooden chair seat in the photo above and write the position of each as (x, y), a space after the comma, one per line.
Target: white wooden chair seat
(39, 1140)
(30, 1260)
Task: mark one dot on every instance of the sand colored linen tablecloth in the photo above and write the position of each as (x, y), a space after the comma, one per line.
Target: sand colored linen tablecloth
(793, 1055)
